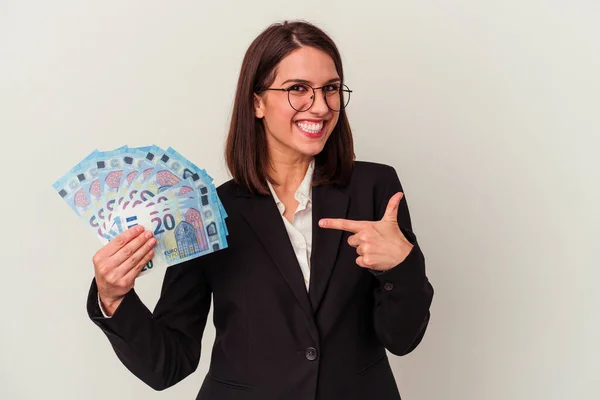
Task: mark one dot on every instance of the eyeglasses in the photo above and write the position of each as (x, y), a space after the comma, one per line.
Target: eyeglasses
(301, 96)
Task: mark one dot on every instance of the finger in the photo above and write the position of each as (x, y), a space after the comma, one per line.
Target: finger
(360, 250)
(121, 240)
(134, 272)
(129, 256)
(391, 211)
(353, 240)
(344, 224)
(365, 262)
(360, 261)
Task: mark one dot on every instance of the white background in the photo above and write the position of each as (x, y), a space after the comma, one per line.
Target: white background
(488, 110)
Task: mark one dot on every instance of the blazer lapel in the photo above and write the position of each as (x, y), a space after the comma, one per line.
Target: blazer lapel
(264, 218)
(328, 202)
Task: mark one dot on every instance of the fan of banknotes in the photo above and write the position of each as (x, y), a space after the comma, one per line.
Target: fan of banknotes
(112, 191)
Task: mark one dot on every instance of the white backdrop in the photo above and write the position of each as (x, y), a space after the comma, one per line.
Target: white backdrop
(488, 110)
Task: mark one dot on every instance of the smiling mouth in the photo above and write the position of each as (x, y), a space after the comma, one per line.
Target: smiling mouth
(310, 127)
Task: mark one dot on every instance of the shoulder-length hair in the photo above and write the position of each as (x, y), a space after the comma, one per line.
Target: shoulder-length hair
(246, 152)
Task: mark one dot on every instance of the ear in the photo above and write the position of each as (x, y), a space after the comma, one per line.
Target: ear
(259, 107)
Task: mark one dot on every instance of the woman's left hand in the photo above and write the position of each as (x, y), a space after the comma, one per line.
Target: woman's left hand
(380, 245)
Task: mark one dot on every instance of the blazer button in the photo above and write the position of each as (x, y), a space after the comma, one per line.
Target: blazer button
(311, 353)
(388, 286)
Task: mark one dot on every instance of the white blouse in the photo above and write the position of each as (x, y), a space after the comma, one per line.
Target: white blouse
(300, 229)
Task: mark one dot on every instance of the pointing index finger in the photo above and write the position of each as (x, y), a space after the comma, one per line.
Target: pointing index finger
(343, 224)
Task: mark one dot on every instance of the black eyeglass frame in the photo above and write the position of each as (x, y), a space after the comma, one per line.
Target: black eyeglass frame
(343, 88)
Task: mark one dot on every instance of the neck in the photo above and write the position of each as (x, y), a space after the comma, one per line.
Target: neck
(288, 171)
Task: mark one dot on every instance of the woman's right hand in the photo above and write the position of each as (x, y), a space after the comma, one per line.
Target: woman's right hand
(118, 263)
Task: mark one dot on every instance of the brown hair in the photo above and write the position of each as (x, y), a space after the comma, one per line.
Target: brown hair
(246, 152)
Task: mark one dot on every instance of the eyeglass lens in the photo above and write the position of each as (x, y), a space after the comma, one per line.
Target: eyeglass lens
(302, 96)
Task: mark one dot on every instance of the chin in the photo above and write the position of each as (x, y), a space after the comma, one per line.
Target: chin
(312, 152)
(311, 149)
(311, 146)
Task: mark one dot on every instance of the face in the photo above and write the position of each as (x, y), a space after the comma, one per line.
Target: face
(293, 134)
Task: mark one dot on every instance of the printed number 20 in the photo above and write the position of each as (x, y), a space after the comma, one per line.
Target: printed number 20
(168, 221)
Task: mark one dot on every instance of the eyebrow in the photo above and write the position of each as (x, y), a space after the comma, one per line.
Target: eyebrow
(309, 82)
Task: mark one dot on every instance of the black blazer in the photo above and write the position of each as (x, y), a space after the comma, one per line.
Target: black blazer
(275, 340)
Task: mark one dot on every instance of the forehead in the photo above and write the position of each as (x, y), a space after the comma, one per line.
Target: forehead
(306, 63)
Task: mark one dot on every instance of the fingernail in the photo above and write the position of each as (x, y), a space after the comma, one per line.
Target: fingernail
(148, 234)
(152, 242)
(139, 228)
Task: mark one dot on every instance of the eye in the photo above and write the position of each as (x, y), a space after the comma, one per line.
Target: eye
(298, 89)
(332, 88)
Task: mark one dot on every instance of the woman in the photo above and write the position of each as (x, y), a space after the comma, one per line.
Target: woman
(322, 272)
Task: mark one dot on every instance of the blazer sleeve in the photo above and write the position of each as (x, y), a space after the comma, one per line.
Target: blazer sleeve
(162, 347)
(403, 294)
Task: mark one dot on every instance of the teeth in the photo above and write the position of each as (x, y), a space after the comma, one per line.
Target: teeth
(310, 127)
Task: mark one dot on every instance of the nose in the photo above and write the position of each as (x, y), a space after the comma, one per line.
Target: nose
(319, 106)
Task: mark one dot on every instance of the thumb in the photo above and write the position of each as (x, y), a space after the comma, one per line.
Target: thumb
(391, 211)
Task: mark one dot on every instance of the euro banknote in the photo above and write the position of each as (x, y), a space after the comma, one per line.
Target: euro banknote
(111, 191)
